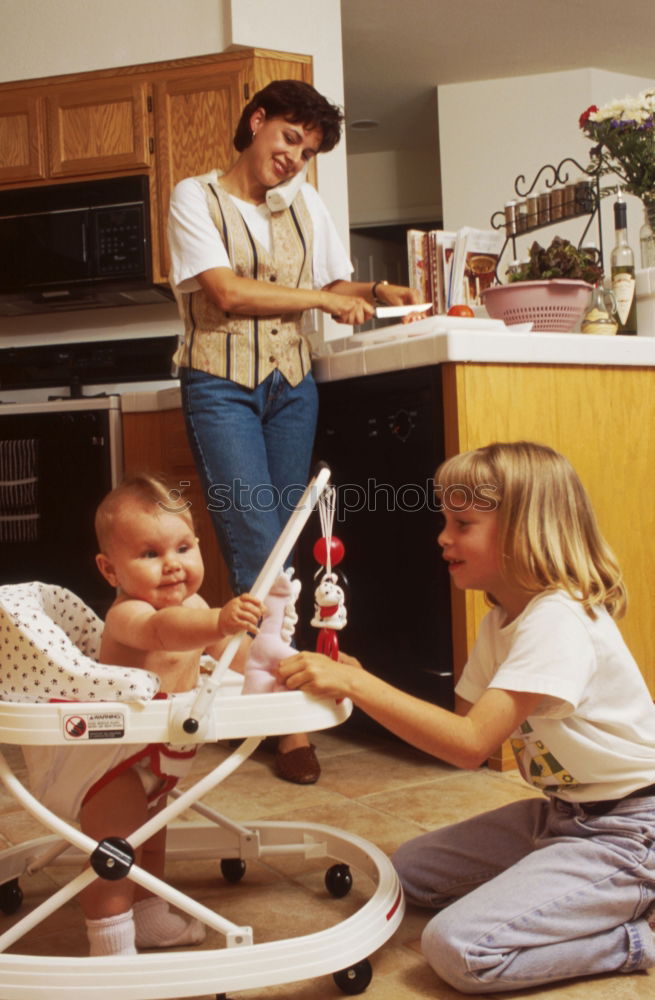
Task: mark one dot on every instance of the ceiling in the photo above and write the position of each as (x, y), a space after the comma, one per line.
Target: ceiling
(396, 52)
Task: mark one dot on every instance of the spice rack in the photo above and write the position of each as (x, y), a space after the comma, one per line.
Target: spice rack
(551, 199)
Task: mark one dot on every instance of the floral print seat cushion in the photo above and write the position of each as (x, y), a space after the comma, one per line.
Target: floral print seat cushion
(49, 640)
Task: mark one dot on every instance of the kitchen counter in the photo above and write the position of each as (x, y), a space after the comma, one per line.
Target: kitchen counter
(152, 400)
(439, 340)
(429, 342)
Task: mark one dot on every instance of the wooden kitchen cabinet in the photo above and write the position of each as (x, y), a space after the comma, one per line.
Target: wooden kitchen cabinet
(56, 131)
(156, 443)
(167, 120)
(197, 113)
(98, 127)
(22, 128)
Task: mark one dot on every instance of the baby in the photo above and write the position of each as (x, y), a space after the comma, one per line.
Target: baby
(158, 622)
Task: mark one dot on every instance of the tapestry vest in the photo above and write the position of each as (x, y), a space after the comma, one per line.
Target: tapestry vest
(246, 349)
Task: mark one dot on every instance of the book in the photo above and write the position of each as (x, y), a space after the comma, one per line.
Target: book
(418, 259)
(451, 268)
(475, 259)
(445, 242)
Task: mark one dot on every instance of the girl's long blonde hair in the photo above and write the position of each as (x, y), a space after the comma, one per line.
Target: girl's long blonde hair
(548, 533)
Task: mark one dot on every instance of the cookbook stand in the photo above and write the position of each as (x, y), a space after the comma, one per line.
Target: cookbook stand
(584, 202)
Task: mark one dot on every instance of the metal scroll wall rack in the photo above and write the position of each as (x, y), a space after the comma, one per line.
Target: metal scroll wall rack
(552, 198)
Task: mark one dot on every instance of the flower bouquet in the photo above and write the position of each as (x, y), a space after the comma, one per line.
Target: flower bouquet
(623, 134)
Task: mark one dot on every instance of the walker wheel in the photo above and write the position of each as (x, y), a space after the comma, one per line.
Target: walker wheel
(354, 979)
(233, 869)
(11, 897)
(338, 881)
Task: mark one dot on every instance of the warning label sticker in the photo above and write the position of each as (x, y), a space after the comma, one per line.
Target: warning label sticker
(94, 726)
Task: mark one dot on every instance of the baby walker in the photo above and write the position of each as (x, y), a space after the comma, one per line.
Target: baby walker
(49, 639)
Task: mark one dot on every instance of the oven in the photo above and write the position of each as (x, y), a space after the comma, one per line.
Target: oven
(61, 451)
(57, 461)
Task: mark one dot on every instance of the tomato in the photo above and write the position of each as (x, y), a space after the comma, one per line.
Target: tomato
(460, 311)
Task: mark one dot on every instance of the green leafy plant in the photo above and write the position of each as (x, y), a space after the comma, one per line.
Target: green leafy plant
(560, 260)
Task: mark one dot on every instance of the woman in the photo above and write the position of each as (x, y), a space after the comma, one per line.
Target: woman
(244, 276)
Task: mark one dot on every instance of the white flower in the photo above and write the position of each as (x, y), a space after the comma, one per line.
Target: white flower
(627, 109)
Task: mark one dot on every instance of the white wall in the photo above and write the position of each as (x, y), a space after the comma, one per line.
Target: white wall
(393, 186)
(49, 37)
(491, 131)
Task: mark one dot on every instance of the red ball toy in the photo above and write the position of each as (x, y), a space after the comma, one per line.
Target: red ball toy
(337, 551)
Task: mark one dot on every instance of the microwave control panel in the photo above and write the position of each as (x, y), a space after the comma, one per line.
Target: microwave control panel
(120, 240)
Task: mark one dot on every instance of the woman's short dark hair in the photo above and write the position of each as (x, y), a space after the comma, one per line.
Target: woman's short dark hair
(299, 103)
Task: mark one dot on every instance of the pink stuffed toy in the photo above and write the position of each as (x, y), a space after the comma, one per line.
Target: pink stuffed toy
(273, 641)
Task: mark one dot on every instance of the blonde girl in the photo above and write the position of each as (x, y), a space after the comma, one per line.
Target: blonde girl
(561, 884)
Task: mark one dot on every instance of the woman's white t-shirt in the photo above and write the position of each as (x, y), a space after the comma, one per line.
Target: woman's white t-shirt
(194, 245)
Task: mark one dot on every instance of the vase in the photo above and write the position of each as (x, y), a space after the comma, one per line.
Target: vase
(647, 231)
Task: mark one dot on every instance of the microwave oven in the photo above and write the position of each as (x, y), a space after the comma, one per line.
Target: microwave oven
(76, 246)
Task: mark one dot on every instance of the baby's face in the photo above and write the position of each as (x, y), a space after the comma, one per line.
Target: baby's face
(155, 556)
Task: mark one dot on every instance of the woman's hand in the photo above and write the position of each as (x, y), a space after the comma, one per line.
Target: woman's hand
(352, 302)
(351, 309)
(400, 295)
(396, 295)
(317, 674)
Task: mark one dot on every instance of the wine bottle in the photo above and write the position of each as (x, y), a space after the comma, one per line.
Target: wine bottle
(622, 262)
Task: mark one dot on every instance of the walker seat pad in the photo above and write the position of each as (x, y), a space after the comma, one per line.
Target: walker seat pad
(49, 641)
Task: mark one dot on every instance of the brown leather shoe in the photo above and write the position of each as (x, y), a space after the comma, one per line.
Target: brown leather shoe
(300, 765)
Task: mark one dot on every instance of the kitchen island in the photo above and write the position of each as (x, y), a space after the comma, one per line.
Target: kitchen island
(590, 397)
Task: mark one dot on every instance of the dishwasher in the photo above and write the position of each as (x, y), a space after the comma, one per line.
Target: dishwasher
(382, 436)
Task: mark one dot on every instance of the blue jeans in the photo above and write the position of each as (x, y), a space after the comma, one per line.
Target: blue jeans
(534, 892)
(253, 450)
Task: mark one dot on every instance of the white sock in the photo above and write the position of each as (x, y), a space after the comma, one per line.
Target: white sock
(112, 935)
(157, 927)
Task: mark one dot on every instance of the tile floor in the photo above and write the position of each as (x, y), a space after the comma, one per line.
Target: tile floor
(381, 790)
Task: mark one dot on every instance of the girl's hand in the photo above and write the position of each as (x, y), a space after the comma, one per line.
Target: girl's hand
(351, 309)
(317, 674)
(241, 614)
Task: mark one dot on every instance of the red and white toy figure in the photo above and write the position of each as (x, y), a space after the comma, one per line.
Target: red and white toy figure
(329, 608)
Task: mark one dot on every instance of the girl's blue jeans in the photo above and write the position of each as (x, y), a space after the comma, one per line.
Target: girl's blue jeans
(253, 450)
(534, 892)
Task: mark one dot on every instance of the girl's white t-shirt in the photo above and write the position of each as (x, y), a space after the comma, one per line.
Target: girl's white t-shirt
(593, 735)
(194, 246)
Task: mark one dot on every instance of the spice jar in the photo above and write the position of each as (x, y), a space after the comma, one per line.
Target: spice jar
(568, 206)
(556, 204)
(521, 217)
(543, 207)
(532, 203)
(510, 218)
(583, 197)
